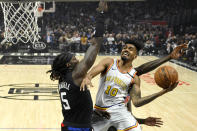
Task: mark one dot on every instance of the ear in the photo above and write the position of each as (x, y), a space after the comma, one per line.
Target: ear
(68, 64)
(135, 56)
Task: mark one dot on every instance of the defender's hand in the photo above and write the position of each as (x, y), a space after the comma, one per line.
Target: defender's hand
(102, 7)
(102, 113)
(178, 51)
(86, 83)
(153, 121)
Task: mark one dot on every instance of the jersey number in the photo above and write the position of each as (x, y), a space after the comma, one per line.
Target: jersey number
(65, 101)
(112, 91)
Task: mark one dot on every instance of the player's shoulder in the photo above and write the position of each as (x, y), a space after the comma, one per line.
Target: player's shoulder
(106, 63)
(108, 60)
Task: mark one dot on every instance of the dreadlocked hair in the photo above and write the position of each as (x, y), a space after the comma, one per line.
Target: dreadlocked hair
(58, 67)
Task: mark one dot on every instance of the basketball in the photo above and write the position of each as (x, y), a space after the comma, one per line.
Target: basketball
(165, 75)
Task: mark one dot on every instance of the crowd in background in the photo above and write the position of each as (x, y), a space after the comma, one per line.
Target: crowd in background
(71, 27)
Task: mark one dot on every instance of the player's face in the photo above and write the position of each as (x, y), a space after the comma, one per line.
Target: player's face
(129, 52)
(73, 62)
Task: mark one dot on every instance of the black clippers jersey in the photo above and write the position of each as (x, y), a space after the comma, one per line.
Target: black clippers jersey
(77, 105)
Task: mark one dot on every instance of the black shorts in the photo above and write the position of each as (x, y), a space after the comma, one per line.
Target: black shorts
(69, 128)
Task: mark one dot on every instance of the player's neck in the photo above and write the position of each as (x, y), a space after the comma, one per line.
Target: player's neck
(125, 64)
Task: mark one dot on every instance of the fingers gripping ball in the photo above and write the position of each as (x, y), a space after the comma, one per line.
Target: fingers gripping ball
(165, 76)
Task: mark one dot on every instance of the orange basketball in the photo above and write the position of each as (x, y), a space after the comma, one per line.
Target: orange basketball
(165, 75)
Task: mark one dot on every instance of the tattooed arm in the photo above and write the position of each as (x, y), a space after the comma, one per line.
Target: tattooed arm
(82, 68)
(135, 93)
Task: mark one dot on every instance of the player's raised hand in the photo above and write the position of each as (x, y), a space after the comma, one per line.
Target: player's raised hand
(102, 7)
(86, 83)
(178, 51)
(153, 121)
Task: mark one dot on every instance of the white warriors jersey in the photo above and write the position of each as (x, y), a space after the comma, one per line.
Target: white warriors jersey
(114, 86)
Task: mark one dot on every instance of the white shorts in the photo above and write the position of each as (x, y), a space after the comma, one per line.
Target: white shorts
(121, 118)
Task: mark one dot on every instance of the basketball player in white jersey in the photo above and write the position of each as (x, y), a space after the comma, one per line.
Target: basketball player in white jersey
(118, 78)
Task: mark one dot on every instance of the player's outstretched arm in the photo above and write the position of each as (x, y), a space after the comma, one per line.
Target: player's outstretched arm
(100, 68)
(135, 93)
(149, 66)
(84, 65)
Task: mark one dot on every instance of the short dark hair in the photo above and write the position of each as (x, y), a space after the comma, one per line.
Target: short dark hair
(58, 67)
(139, 45)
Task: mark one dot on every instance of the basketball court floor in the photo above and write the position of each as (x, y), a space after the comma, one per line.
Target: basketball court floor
(29, 99)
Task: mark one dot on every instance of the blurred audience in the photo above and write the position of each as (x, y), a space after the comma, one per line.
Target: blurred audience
(160, 25)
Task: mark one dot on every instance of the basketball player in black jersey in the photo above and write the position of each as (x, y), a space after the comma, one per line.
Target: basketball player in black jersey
(77, 106)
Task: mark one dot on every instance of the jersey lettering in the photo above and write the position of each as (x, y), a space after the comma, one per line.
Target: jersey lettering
(111, 92)
(64, 85)
(65, 101)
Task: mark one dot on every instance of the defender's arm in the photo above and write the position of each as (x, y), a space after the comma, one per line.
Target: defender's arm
(84, 65)
(149, 66)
